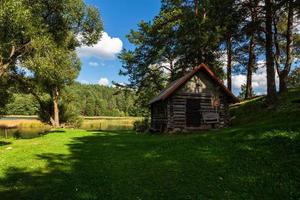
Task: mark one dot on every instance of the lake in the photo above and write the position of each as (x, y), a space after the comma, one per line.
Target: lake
(30, 126)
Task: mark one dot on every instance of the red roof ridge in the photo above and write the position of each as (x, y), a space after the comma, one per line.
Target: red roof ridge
(164, 94)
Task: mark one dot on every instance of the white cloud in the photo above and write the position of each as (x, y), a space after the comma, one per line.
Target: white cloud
(106, 48)
(259, 81)
(103, 81)
(94, 64)
(84, 82)
(238, 80)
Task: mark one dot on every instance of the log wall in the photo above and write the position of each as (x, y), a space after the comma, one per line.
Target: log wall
(171, 114)
(176, 111)
(159, 115)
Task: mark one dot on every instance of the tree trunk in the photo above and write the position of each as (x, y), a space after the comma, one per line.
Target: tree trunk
(289, 43)
(229, 63)
(55, 107)
(204, 9)
(250, 67)
(271, 85)
(283, 82)
(196, 2)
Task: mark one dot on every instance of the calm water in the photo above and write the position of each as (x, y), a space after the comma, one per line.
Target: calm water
(101, 123)
(24, 132)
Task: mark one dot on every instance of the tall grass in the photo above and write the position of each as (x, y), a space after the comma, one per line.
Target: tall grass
(28, 128)
(23, 128)
(109, 123)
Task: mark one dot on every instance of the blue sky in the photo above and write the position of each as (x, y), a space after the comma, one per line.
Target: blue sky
(99, 63)
(119, 16)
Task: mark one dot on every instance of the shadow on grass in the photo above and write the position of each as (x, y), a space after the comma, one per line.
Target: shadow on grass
(3, 143)
(123, 165)
(56, 131)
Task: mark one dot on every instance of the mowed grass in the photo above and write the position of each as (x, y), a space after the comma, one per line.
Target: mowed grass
(255, 159)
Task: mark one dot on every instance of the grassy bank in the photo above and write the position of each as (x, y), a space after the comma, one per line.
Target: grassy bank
(109, 123)
(230, 164)
(257, 158)
(28, 127)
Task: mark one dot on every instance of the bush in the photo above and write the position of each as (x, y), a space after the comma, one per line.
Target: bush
(141, 126)
(69, 115)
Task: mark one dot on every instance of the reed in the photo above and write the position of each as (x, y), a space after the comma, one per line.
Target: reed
(24, 128)
(28, 128)
(109, 123)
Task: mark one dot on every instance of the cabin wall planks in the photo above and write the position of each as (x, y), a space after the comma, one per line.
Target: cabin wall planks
(180, 106)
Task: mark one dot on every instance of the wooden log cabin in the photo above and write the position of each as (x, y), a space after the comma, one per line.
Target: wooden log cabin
(197, 101)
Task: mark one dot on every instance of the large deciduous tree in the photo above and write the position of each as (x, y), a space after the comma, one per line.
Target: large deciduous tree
(53, 68)
(42, 36)
(18, 28)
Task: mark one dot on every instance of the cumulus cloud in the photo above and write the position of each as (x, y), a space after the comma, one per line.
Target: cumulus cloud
(259, 81)
(106, 48)
(103, 81)
(94, 64)
(84, 82)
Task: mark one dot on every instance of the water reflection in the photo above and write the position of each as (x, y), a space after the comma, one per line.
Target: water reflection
(25, 133)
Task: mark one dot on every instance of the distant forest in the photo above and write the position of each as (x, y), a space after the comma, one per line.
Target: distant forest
(86, 100)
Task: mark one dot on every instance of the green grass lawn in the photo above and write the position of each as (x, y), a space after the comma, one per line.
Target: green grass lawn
(258, 158)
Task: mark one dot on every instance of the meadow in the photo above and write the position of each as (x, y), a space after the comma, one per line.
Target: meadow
(257, 158)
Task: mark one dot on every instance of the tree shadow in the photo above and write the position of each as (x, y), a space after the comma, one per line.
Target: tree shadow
(3, 143)
(123, 165)
(55, 131)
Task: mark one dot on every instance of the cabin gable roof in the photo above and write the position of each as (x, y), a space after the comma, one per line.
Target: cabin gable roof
(175, 85)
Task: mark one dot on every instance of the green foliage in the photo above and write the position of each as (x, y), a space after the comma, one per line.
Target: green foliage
(294, 78)
(78, 99)
(45, 109)
(42, 36)
(69, 112)
(96, 100)
(5, 95)
(17, 27)
(142, 126)
(174, 42)
(242, 94)
(22, 104)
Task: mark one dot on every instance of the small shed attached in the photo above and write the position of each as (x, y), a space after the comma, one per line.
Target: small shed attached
(199, 100)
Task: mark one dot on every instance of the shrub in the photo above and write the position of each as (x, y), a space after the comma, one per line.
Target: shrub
(69, 115)
(142, 126)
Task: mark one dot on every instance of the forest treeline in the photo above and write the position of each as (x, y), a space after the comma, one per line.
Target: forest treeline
(80, 99)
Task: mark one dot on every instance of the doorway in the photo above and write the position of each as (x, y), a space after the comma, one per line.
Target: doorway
(193, 113)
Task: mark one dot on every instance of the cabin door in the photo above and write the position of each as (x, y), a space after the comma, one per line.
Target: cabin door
(193, 113)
